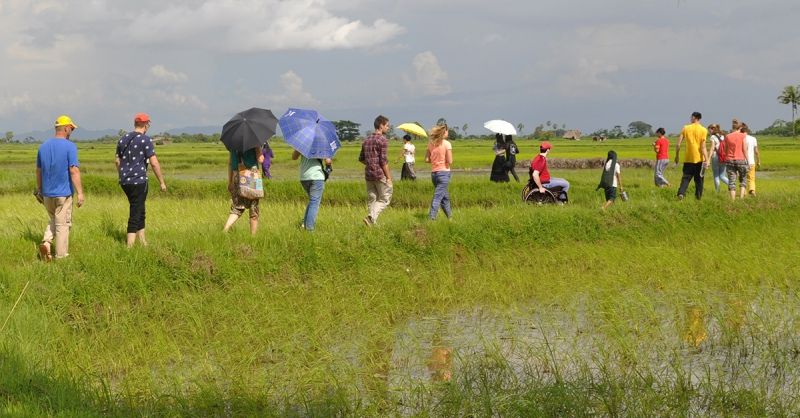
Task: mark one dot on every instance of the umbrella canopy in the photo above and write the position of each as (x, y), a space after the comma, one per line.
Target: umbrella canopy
(500, 127)
(413, 129)
(249, 129)
(309, 133)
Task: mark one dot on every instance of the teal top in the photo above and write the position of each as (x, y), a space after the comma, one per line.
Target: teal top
(249, 159)
(311, 169)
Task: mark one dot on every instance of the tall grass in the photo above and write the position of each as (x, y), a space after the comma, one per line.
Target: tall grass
(655, 307)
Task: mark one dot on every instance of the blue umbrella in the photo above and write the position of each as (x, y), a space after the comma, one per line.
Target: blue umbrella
(309, 133)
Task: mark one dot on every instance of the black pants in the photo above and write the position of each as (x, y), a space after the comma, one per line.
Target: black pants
(137, 194)
(692, 171)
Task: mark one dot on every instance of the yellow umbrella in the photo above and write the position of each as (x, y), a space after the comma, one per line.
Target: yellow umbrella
(413, 129)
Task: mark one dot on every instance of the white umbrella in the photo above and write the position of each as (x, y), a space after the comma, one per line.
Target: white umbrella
(500, 127)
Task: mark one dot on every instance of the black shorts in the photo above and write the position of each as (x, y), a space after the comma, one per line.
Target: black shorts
(611, 193)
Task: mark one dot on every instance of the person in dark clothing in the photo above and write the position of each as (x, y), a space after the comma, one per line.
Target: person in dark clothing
(511, 157)
(499, 172)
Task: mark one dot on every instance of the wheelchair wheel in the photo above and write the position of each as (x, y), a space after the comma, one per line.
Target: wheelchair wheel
(540, 198)
(526, 191)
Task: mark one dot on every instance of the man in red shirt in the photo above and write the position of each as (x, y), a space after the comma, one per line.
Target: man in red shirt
(661, 147)
(541, 175)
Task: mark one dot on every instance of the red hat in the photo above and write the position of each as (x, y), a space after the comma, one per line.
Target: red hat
(141, 118)
(545, 145)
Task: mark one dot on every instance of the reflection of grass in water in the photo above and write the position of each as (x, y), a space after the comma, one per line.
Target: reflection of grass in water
(202, 323)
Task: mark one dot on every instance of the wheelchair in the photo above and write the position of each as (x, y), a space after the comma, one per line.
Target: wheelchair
(531, 194)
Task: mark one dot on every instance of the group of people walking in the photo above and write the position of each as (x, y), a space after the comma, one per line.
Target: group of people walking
(732, 156)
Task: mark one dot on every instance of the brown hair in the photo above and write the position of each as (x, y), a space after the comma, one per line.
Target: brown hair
(437, 134)
(744, 128)
(735, 124)
(380, 121)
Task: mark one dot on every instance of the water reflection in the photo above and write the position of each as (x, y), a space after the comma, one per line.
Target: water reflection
(694, 331)
(440, 364)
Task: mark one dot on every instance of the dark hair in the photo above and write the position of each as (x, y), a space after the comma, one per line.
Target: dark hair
(697, 115)
(542, 149)
(508, 138)
(661, 131)
(407, 137)
(380, 121)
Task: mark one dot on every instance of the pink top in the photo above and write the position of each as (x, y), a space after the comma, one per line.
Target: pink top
(439, 156)
(734, 147)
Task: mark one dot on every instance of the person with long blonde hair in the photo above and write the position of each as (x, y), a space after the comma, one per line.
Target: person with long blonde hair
(440, 155)
(715, 150)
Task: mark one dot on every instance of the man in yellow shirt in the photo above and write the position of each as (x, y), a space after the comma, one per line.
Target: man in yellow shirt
(696, 160)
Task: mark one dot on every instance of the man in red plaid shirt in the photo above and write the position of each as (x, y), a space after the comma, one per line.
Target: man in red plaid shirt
(376, 171)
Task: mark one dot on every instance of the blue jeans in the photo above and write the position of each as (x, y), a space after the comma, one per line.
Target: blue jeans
(314, 190)
(720, 172)
(441, 196)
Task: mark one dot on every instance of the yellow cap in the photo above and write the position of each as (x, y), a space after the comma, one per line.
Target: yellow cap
(65, 120)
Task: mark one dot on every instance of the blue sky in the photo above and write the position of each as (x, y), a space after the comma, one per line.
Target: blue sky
(587, 64)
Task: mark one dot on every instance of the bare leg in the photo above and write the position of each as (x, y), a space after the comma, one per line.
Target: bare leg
(140, 235)
(733, 194)
(742, 192)
(231, 219)
(607, 204)
(130, 239)
(253, 226)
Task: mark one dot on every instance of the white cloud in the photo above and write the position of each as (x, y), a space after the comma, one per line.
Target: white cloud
(176, 99)
(429, 78)
(293, 94)
(160, 73)
(10, 104)
(254, 25)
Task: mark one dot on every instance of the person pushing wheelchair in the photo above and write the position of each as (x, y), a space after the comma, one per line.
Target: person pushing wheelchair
(540, 175)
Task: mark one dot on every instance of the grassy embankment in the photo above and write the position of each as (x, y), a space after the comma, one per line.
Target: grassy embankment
(656, 307)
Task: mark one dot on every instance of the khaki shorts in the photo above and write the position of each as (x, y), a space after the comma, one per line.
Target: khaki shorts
(239, 204)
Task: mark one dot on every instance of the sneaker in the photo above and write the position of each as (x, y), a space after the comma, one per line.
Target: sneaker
(44, 252)
(680, 197)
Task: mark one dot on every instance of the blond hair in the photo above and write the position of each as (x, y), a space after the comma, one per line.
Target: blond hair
(437, 134)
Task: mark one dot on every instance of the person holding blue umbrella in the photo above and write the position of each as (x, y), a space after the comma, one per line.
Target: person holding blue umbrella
(315, 141)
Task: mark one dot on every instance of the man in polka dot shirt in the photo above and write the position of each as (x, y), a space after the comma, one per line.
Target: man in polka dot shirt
(134, 151)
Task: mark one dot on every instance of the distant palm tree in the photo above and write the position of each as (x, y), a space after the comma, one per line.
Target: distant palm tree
(791, 95)
(520, 127)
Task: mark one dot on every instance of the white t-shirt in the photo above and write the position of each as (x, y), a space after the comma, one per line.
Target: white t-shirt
(750, 144)
(616, 172)
(716, 140)
(408, 152)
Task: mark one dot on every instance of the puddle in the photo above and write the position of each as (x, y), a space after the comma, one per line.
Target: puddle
(748, 345)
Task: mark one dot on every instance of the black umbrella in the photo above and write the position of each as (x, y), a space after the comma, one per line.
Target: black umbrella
(249, 129)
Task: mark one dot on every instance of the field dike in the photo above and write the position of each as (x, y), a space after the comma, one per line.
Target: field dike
(655, 307)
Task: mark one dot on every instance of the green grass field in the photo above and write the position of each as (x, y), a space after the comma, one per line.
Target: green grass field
(656, 307)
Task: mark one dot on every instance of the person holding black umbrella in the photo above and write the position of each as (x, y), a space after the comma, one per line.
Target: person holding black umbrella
(239, 161)
(243, 136)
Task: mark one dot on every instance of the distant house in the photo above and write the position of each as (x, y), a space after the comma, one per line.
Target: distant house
(161, 140)
(573, 134)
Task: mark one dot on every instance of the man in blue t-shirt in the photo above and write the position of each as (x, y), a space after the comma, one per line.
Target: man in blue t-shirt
(57, 179)
(134, 151)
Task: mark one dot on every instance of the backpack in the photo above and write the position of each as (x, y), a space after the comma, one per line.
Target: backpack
(722, 151)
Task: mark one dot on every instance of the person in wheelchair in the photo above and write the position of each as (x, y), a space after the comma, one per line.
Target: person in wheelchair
(540, 176)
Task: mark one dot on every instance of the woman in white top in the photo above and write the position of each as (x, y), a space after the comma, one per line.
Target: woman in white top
(409, 158)
(753, 159)
(717, 165)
